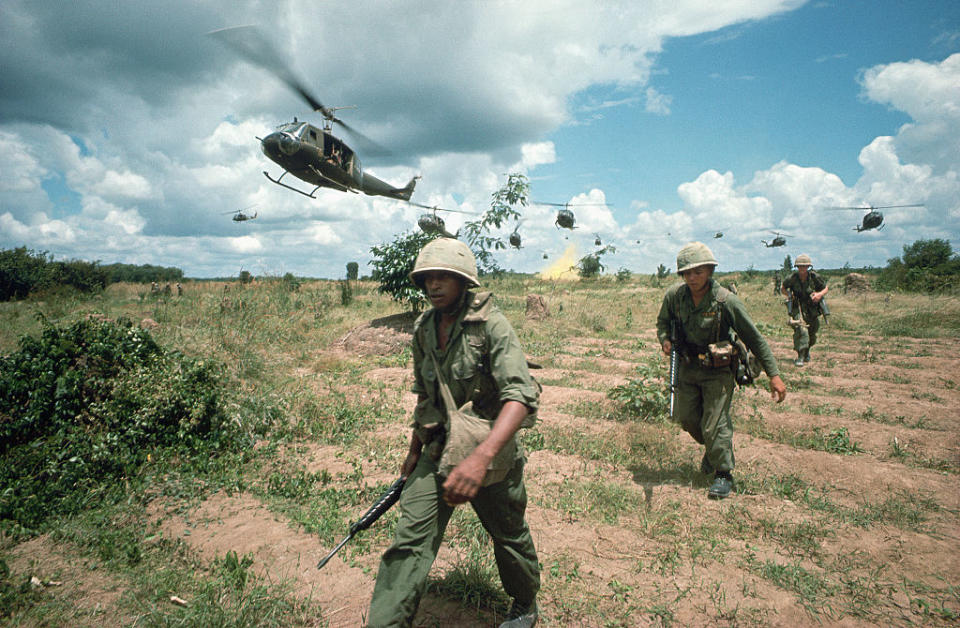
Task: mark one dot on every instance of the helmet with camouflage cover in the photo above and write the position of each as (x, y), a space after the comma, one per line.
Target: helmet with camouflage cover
(694, 254)
(803, 260)
(449, 255)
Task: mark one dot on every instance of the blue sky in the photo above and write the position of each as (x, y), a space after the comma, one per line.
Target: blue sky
(124, 136)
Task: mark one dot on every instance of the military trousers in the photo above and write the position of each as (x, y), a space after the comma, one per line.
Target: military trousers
(402, 577)
(702, 406)
(805, 336)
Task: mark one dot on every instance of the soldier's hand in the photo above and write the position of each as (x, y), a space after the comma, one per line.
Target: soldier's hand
(465, 480)
(778, 390)
(667, 346)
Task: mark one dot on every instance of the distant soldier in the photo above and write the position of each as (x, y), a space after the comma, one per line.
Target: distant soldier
(776, 282)
(706, 312)
(179, 290)
(806, 290)
(154, 288)
(166, 290)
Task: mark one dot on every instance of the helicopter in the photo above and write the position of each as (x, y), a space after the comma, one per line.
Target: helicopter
(313, 155)
(872, 219)
(239, 216)
(719, 233)
(779, 240)
(515, 236)
(432, 223)
(597, 241)
(565, 217)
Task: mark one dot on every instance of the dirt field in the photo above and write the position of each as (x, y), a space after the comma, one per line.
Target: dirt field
(845, 513)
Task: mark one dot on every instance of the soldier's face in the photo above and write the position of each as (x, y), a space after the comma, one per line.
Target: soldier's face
(697, 277)
(442, 288)
(802, 271)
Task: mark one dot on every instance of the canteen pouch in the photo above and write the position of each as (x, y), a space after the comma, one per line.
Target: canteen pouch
(429, 425)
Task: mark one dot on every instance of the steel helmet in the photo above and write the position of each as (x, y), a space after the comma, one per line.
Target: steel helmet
(694, 254)
(449, 255)
(803, 260)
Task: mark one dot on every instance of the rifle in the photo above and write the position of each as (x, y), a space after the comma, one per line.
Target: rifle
(824, 310)
(382, 505)
(674, 361)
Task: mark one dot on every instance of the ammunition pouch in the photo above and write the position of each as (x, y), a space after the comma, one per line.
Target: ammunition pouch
(718, 355)
(429, 424)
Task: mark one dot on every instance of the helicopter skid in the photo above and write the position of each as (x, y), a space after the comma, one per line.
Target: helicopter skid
(290, 187)
(331, 182)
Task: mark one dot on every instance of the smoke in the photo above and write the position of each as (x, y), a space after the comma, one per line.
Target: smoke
(564, 267)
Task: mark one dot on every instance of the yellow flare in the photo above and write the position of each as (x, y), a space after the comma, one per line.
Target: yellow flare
(564, 267)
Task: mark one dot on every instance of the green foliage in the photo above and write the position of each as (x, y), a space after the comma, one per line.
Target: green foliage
(15, 590)
(353, 269)
(645, 396)
(662, 271)
(787, 265)
(24, 271)
(245, 276)
(291, 282)
(83, 406)
(143, 273)
(502, 208)
(392, 264)
(346, 292)
(623, 274)
(590, 266)
(925, 266)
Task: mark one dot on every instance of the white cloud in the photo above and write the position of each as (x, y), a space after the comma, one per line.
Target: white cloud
(657, 103)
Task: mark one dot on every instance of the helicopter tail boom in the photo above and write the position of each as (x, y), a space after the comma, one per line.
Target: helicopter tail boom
(373, 186)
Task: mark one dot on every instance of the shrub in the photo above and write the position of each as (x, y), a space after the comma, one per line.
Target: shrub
(83, 406)
(392, 264)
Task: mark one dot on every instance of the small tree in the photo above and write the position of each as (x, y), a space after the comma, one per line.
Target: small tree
(662, 271)
(392, 264)
(787, 265)
(590, 266)
(245, 276)
(502, 208)
(353, 270)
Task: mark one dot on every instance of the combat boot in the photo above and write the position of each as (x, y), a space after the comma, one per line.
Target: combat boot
(521, 616)
(722, 485)
(799, 360)
(806, 355)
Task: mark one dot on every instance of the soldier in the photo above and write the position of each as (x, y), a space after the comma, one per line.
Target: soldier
(776, 282)
(706, 313)
(473, 393)
(806, 290)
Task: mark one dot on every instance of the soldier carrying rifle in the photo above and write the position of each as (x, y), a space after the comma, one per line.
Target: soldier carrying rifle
(704, 314)
(805, 291)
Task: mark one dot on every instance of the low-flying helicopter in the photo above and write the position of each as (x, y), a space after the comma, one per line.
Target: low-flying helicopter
(719, 233)
(311, 154)
(432, 223)
(565, 217)
(239, 216)
(596, 240)
(872, 219)
(514, 238)
(778, 240)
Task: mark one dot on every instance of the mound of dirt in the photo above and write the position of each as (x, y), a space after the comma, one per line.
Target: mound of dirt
(855, 282)
(381, 336)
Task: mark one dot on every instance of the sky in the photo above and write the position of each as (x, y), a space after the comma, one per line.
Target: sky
(128, 134)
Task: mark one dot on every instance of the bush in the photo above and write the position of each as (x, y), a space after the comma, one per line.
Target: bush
(926, 266)
(83, 406)
(392, 264)
(23, 272)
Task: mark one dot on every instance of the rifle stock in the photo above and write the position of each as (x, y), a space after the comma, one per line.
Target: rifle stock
(382, 505)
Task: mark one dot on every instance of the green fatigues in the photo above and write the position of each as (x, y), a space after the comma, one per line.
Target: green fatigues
(805, 336)
(704, 394)
(501, 376)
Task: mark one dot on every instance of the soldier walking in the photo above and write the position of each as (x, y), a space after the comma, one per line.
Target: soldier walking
(706, 313)
(805, 289)
(473, 393)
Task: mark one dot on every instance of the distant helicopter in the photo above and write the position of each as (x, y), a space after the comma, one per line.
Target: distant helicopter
(719, 233)
(872, 219)
(597, 241)
(779, 240)
(565, 217)
(515, 239)
(432, 223)
(239, 216)
(310, 154)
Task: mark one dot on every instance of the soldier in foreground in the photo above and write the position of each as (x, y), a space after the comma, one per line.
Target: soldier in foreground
(806, 290)
(705, 313)
(473, 393)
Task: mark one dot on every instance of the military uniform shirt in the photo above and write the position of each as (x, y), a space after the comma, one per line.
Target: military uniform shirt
(699, 322)
(497, 373)
(803, 289)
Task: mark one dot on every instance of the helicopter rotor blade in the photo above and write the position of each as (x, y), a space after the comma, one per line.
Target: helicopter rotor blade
(872, 207)
(440, 209)
(569, 204)
(250, 44)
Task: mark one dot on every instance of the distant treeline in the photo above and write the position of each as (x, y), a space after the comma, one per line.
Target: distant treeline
(24, 272)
